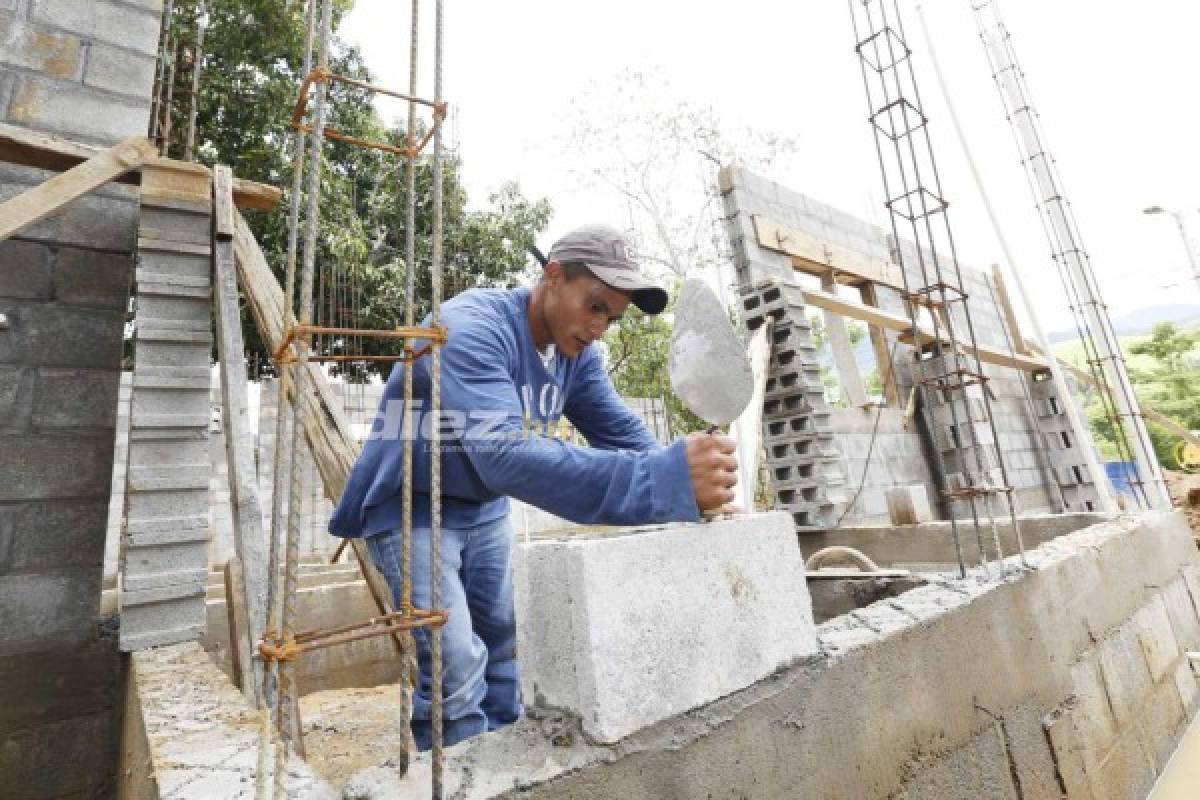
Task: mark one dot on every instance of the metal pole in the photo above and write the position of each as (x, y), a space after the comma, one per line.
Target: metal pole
(435, 403)
(197, 67)
(1187, 246)
(1082, 433)
(1069, 252)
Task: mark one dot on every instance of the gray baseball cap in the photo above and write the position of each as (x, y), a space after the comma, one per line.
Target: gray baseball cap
(608, 256)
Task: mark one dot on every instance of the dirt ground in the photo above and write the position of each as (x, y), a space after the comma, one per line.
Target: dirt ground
(1180, 484)
(349, 730)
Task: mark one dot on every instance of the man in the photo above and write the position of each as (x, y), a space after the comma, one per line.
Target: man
(515, 362)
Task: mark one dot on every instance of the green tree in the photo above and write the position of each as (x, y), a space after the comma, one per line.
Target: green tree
(252, 63)
(638, 348)
(1171, 384)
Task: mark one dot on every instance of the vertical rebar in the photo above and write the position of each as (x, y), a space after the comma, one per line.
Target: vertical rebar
(283, 462)
(1103, 349)
(937, 264)
(410, 419)
(164, 43)
(435, 405)
(197, 67)
(167, 120)
(307, 269)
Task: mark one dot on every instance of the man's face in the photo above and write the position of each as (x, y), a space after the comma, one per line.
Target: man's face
(580, 309)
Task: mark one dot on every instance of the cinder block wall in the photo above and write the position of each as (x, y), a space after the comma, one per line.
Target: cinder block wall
(899, 457)
(1069, 681)
(81, 69)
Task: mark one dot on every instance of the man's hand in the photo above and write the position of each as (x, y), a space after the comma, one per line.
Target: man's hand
(714, 469)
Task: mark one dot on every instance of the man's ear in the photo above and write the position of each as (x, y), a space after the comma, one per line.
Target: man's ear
(553, 273)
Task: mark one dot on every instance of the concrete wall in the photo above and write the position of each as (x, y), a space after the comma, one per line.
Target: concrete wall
(1067, 681)
(900, 457)
(81, 69)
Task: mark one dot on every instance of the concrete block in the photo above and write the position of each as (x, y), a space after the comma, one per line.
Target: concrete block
(104, 219)
(25, 46)
(979, 769)
(75, 398)
(52, 535)
(16, 398)
(1156, 638)
(88, 278)
(1091, 714)
(1185, 683)
(48, 610)
(1159, 721)
(908, 505)
(1182, 613)
(1126, 676)
(24, 270)
(66, 758)
(60, 337)
(119, 71)
(610, 640)
(39, 467)
(76, 112)
(102, 20)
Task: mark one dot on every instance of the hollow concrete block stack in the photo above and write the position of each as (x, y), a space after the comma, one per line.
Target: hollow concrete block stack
(1064, 451)
(165, 557)
(801, 456)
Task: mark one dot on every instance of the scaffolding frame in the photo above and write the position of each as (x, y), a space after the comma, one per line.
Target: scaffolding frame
(1102, 348)
(282, 644)
(949, 363)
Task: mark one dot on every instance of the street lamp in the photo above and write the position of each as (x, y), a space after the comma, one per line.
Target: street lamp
(1187, 245)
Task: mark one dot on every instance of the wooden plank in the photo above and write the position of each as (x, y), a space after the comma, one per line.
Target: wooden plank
(170, 180)
(223, 204)
(883, 351)
(1148, 412)
(814, 256)
(44, 199)
(326, 427)
(747, 428)
(243, 489)
(1010, 313)
(44, 151)
(903, 326)
(843, 352)
(239, 641)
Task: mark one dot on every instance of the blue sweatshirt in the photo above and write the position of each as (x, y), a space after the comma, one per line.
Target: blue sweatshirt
(500, 401)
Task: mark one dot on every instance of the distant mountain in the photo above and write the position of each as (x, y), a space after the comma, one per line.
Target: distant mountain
(1141, 321)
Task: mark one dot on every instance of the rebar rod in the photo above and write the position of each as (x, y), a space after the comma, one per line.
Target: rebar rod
(936, 261)
(197, 67)
(160, 69)
(283, 462)
(1063, 232)
(410, 271)
(435, 405)
(308, 265)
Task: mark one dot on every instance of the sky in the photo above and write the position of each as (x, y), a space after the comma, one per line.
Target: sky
(1114, 84)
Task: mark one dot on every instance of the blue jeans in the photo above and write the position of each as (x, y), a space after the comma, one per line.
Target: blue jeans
(481, 685)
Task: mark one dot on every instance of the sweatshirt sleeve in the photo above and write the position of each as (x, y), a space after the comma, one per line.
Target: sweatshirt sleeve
(599, 413)
(585, 485)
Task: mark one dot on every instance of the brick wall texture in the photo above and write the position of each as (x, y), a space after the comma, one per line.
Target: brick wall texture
(1043, 473)
(81, 69)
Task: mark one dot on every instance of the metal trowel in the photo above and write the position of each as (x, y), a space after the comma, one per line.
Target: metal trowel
(710, 371)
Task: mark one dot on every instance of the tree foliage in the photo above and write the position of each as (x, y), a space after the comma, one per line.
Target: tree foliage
(253, 58)
(1166, 378)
